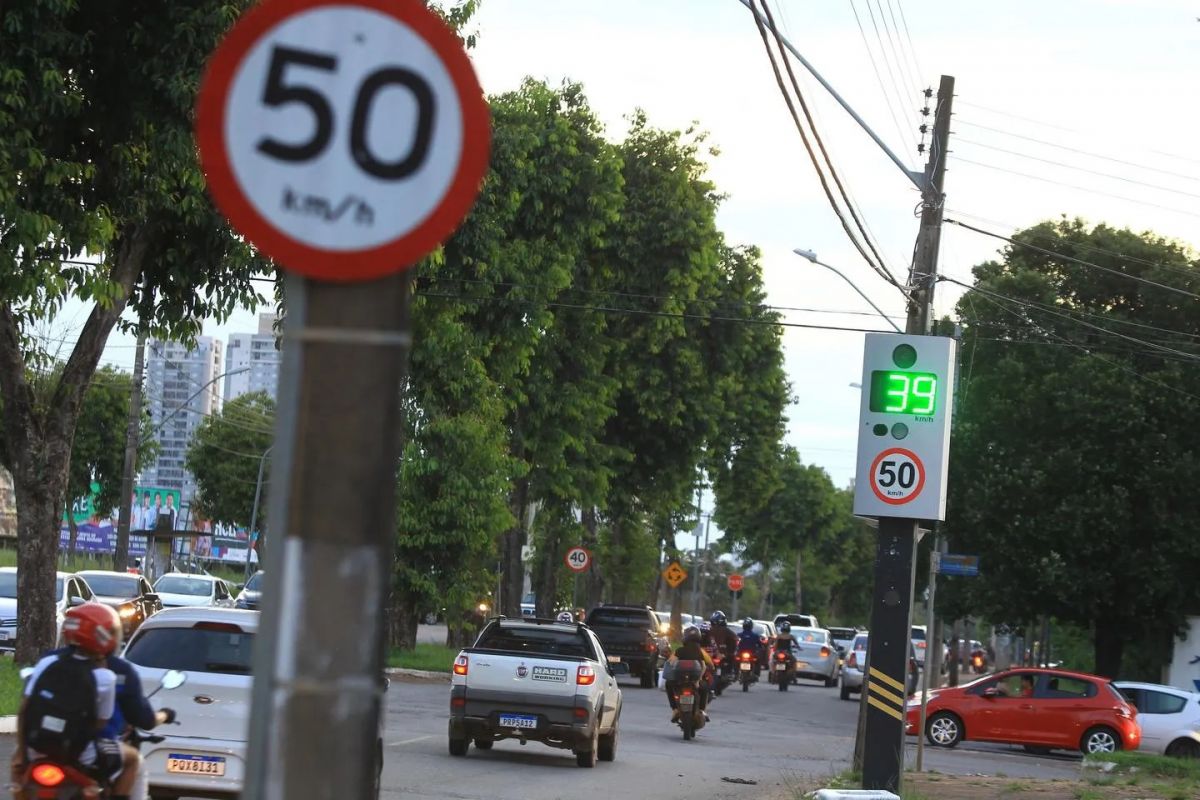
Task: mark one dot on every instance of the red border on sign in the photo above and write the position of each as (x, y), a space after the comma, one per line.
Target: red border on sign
(920, 477)
(337, 265)
(571, 566)
(741, 583)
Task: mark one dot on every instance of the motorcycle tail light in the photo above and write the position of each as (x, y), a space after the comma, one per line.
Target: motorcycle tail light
(48, 774)
(745, 656)
(585, 676)
(686, 693)
(460, 665)
(781, 656)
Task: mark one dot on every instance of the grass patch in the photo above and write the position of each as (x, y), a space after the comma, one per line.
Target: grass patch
(11, 686)
(431, 657)
(1151, 765)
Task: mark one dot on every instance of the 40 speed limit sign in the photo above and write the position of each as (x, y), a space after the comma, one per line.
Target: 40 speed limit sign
(578, 559)
(904, 427)
(345, 138)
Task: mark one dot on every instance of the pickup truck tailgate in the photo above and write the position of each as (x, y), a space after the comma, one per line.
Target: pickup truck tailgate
(531, 675)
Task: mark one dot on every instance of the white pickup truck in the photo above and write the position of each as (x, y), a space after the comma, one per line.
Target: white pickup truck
(536, 680)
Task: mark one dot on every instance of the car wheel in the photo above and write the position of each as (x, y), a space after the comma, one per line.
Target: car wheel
(1100, 740)
(458, 747)
(944, 729)
(607, 750)
(587, 758)
(484, 744)
(845, 692)
(1184, 748)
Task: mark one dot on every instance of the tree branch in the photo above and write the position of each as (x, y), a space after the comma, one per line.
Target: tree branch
(18, 417)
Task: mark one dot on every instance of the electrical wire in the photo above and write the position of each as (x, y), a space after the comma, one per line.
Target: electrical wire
(1072, 259)
(878, 265)
(1077, 187)
(911, 87)
(878, 75)
(1122, 178)
(911, 48)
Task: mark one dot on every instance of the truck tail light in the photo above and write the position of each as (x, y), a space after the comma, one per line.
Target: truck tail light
(460, 665)
(585, 676)
(458, 702)
(581, 713)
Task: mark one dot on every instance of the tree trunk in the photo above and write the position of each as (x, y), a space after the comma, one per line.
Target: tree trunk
(512, 568)
(766, 591)
(461, 633)
(403, 618)
(1109, 649)
(617, 583)
(799, 593)
(594, 588)
(546, 571)
(39, 495)
(73, 526)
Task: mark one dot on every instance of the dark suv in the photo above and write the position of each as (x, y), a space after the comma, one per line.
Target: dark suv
(629, 634)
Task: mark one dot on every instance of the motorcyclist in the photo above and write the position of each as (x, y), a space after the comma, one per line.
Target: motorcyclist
(750, 641)
(93, 633)
(692, 649)
(784, 641)
(724, 638)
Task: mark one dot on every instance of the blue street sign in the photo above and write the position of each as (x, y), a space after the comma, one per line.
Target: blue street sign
(951, 564)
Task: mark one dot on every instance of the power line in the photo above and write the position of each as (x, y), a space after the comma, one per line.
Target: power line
(879, 266)
(1080, 169)
(911, 86)
(878, 75)
(1065, 257)
(912, 49)
(1134, 200)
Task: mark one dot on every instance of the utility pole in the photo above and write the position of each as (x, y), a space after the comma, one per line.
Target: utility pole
(133, 429)
(895, 566)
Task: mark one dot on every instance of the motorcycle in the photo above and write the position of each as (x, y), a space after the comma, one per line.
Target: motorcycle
(47, 779)
(691, 716)
(722, 670)
(783, 669)
(978, 662)
(746, 671)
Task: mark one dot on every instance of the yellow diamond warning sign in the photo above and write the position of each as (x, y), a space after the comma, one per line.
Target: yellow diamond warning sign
(675, 574)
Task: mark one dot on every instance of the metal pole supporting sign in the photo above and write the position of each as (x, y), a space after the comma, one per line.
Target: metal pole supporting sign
(346, 139)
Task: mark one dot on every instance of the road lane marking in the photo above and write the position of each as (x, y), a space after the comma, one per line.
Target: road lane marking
(884, 707)
(887, 679)
(410, 741)
(882, 692)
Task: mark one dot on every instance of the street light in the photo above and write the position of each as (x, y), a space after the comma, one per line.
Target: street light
(196, 394)
(254, 511)
(811, 256)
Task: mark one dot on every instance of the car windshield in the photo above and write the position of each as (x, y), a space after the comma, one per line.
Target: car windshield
(255, 583)
(619, 617)
(196, 587)
(8, 586)
(842, 634)
(814, 637)
(535, 640)
(207, 647)
(860, 643)
(113, 585)
(918, 634)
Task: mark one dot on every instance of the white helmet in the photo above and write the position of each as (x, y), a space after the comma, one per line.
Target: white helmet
(565, 616)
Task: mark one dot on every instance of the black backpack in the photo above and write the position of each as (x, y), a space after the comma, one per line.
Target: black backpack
(60, 713)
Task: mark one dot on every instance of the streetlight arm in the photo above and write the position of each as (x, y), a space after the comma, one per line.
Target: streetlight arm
(196, 394)
(811, 256)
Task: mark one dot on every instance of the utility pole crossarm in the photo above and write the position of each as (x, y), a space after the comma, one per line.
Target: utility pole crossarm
(919, 179)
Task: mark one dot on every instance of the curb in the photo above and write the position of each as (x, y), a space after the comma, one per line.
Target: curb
(8, 724)
(401, 671)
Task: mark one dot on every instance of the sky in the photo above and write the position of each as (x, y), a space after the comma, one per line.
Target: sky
(1062, 108)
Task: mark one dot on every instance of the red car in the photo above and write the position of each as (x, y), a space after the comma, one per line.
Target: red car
(1043, 709)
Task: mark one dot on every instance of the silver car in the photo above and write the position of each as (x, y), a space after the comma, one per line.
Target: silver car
(856, 665)
(816, 657)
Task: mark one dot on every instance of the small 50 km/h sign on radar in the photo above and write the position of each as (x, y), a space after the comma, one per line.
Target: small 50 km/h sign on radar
(904, 426)
(345, 138)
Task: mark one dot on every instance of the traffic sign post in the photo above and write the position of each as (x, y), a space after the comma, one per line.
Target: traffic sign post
(903, 448)
(736, 583)
(345, 139)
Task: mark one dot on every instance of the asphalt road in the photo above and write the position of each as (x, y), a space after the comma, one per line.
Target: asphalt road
(778, 740)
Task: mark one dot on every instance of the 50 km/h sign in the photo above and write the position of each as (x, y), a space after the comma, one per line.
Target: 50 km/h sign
(578, 559)
(345, 138)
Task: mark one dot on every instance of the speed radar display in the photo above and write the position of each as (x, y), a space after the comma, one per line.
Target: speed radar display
(904, 427)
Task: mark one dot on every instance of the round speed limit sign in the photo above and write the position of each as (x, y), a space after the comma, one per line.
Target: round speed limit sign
(897, 476)
(345, 138)
(578, 559)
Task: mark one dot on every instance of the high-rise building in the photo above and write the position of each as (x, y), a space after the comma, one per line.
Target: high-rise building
(252, 361)
(182, 388)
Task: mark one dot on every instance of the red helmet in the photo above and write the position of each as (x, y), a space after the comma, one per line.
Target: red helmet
(93, 628)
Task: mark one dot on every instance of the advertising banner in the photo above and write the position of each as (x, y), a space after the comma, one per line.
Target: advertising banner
(151, 504)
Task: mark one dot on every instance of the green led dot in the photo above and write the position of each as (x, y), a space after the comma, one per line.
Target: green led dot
(881, 430)
(904, 356)
(899, 430)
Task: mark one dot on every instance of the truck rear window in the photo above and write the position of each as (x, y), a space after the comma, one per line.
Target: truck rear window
(626, 618)
(546, 641)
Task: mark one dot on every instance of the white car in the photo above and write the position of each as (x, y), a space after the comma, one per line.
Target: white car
(1170, 717)
(186, 589)
(540, 681)
(69, 590)
(206, 752)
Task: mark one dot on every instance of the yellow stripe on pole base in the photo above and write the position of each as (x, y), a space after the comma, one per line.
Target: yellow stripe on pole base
(884, 707)
(882, 692)
(887, 679)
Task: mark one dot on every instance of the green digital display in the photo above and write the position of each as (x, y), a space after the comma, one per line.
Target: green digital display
(899, 392)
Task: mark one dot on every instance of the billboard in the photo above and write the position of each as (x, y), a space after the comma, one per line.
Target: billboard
(151, 504)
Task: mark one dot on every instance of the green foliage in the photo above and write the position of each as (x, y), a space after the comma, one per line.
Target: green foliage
(98, 452)
(11, 686)
(425, 656)
(1073, 447)
(224, 457)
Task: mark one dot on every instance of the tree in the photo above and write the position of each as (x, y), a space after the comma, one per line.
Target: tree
(101, 198)
(225, 456)
(1073, 445)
